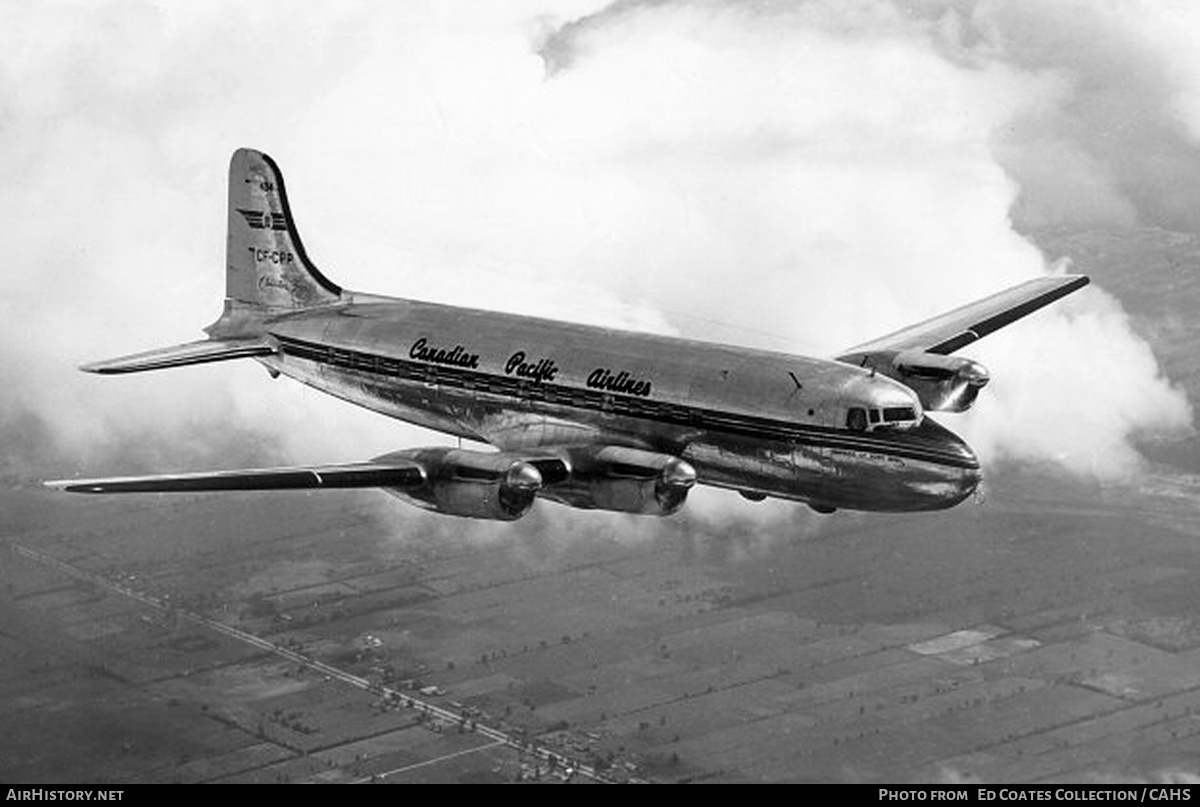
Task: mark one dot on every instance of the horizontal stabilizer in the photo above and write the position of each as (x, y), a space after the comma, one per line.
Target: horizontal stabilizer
(201, 352)
(351, 475)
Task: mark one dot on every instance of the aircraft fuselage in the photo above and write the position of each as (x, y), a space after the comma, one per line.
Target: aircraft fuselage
(763, 423)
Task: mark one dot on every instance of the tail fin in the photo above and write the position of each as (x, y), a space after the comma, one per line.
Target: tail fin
(267, 269)
(266, 273)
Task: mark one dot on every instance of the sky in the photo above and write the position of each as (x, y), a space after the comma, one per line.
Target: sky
(798, 176)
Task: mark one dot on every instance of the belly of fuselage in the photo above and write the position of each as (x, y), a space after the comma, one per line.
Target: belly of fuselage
(925, 469)
(886, 483)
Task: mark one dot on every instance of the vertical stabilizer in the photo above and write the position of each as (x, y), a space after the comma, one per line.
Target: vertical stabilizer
(267, 269)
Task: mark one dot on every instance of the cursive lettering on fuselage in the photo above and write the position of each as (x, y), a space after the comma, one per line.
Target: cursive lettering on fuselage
(621, 383)
(455, 357)
(542, 370)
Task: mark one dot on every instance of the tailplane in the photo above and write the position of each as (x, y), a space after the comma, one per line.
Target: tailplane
(201, 352)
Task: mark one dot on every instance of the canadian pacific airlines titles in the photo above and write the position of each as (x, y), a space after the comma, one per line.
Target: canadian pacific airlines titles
(584, 416)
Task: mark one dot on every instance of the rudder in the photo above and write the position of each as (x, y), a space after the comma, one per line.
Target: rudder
(267, 269)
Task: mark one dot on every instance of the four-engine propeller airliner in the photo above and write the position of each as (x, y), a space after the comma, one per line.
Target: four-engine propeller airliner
(589, 417)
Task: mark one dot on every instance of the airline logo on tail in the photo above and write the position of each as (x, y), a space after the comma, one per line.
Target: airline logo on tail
(264, 220)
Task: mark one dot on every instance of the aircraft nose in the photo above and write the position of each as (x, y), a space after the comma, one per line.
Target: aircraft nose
(969, 482)
(957, 473)
(969, 474)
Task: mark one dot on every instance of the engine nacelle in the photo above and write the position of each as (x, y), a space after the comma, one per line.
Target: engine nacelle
(943, 383)
(626, 480)
(473, 484)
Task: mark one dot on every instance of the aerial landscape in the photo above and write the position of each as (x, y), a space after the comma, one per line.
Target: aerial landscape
(1048, 634)
(606, 163)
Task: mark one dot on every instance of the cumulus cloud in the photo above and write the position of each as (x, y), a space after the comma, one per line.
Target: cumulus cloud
(1114, 140)
(1061, 397)
(799, 176)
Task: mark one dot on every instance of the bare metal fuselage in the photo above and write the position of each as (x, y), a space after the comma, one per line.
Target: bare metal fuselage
(765, 424)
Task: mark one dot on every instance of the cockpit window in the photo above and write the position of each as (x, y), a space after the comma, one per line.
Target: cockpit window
(894, 413)
(859, 419)
(856, 419)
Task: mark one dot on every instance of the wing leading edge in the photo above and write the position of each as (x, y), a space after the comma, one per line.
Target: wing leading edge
(349, 475)
(956, 329)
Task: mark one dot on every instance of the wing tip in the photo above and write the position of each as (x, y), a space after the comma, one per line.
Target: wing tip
(1074, 281)
(105, 367)
(1062, 285)
(68, 486)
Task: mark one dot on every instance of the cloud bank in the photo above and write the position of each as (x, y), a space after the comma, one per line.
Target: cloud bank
(799, 176)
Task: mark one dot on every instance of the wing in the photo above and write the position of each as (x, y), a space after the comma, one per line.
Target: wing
(953, 330)
(447, 480)
(392, 474)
